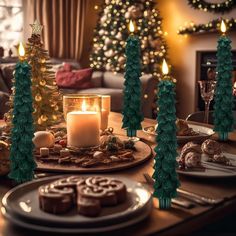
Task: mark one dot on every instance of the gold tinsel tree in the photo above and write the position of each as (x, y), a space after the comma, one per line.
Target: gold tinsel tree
(47, 99)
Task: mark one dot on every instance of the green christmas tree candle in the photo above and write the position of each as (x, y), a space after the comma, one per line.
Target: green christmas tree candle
(132, 115)
(21, 152)
(223, 108)
(165, 176)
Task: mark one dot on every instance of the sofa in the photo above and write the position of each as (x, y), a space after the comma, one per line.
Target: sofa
(108, 83)
(105, 83)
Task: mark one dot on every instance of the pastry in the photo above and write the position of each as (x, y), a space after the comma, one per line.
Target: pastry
(190, 156)
(88, 207)
(88, 195)
(211, 147)
(183, 129)
(212, 152)
(55, 200)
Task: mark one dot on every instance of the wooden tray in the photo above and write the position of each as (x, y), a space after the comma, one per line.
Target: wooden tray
(143, 153)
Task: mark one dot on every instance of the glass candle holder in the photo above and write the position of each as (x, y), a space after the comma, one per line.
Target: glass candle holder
(106, 107)
(83, 118)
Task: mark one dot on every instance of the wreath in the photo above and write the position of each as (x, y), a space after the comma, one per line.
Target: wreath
(222, 7)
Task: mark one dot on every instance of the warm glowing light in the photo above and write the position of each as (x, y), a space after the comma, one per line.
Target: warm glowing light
(131, 26)
(223, 27)
(165, 69)
(21, 50)
(84, 106)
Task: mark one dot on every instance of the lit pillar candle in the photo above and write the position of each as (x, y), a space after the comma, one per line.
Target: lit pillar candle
(132, 113)
(83, 128)
(223, 107)
(106, 106)
(166, 180)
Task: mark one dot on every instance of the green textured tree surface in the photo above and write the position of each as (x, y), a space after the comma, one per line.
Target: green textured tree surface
(165, 176)
(132, 115)
(21, 152)
(223, 108)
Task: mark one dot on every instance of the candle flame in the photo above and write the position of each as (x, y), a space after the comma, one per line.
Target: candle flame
(131, 26)
(21, 50)
(165, 69)
(223, 27)
(84, 106)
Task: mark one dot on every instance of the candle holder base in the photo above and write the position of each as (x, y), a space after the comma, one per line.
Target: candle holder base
(223, 136)
(164, 203)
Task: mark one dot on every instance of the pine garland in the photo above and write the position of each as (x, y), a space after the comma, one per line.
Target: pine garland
(21, 152)
(223, 108)
(132, 115)
(211, 26)
(165, 176)
(220, 7)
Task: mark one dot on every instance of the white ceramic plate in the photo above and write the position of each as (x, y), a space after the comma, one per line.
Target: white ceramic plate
(211, 171)
(139, 203)
(204, 133)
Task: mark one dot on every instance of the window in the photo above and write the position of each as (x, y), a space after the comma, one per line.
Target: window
(11, 24)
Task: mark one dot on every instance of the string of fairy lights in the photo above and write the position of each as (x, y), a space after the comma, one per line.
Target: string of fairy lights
(211, 26)
(111, 33)
(220, 7)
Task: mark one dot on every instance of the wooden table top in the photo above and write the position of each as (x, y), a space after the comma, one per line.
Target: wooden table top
(164, 222)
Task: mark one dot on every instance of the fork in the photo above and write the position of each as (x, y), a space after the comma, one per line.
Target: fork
(201, 200)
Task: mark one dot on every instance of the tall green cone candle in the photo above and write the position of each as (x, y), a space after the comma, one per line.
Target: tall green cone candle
(21, 152)
(165, 176)
(132, 115)
(223, 108)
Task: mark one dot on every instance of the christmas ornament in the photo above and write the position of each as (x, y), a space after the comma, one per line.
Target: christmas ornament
(108, 41)
(109, 53)
(21, 151)
(165, 176)
(223, 108)
(135, 12)
(132, 115)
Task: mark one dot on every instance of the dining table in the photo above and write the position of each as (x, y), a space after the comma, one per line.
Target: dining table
(173, 221)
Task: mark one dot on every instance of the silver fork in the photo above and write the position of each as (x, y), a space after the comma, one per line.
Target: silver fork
(201, 200)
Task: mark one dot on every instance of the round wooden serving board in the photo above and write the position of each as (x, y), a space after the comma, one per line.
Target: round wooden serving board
(143, 152)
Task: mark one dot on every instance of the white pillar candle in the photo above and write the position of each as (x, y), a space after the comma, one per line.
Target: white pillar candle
(83, 128)
(106, 106)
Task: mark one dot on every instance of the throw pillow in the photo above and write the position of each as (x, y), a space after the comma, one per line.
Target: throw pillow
(80, 79)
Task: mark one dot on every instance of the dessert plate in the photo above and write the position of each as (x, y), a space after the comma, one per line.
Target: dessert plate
(211, 171)
(21, 206)
(203, 133)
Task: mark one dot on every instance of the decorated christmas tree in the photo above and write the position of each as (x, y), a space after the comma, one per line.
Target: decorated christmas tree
(165, 176)
(132, 115)
(112, 32)
(44, 90)
(21, 153)
(223, 108)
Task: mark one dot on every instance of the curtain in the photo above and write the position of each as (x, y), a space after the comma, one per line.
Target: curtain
(64, 25)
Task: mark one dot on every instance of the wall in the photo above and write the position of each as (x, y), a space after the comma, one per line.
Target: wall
(182, 50)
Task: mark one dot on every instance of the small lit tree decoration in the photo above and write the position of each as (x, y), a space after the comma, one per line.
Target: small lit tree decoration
(165, 176)
(132, 115)
(21, 152)
(223, 108)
